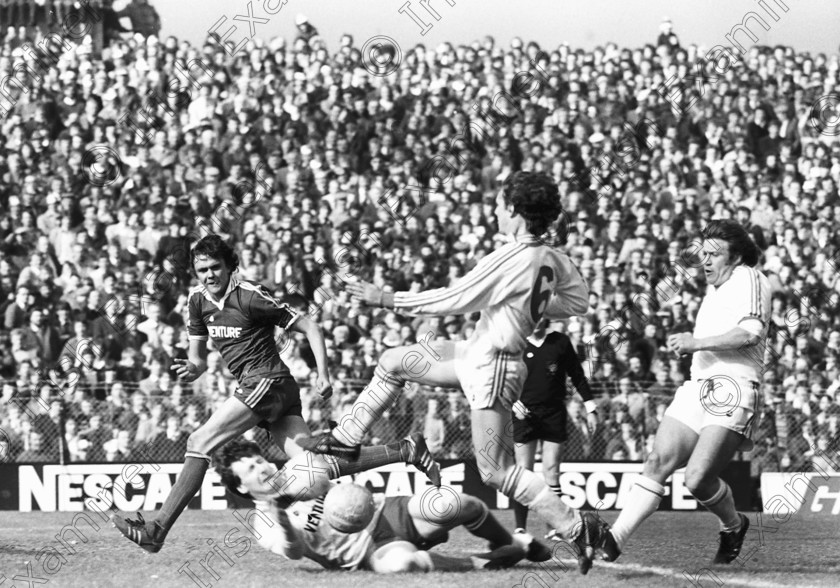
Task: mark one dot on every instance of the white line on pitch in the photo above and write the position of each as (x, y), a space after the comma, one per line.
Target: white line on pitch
(108, 525)
(727, 579)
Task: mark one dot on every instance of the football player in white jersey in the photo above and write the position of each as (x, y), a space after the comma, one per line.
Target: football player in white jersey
(715, 413)
(397, 538)
(513, 288)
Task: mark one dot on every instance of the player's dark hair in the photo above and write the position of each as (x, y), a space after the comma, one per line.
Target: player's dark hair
(740, 242)
(535, 197)
(227, 456)
(214, 247)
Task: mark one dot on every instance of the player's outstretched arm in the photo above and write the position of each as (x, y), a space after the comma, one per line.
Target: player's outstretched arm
(473, 292)
(312, 331)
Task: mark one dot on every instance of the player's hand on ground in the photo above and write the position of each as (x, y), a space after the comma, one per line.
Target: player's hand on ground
(186, 371)
(520, 411)
(324, 386)
(682, 343)
(366, 292)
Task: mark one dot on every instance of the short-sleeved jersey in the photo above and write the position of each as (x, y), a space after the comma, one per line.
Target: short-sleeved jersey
(743, 300)
(549, 362)
(513, 288)
(323, 544)
(241, 326)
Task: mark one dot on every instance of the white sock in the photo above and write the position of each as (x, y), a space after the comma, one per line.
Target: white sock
(530, 489)
(643, 500)
(423, 561)
(722, 504)
(373, 401)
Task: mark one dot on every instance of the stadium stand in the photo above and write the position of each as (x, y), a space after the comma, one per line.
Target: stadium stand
(319, 170)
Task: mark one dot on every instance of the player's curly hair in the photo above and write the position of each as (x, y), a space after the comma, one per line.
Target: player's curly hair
(535, 197)
(227, 456)
(215, 247)
(740, 242)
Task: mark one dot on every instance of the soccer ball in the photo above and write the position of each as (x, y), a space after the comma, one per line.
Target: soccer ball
(349, 508)
(304, 477)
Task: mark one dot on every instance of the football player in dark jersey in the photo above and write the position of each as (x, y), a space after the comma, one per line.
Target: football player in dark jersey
(540, 412)
(239, 317)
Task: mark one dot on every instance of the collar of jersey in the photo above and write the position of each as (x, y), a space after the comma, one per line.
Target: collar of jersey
(232, 284)
(527, 239)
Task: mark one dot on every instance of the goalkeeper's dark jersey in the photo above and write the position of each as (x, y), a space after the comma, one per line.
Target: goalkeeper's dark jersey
(548, 366)
(241, 326)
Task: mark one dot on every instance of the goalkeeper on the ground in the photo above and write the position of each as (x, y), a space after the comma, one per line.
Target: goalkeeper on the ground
(398, 537)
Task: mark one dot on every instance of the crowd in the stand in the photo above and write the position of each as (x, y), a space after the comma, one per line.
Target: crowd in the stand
(319, 170)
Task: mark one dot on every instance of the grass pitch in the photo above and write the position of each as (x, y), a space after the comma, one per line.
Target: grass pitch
(671, 549)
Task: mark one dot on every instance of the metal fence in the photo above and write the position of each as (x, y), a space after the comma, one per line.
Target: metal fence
(132, 426)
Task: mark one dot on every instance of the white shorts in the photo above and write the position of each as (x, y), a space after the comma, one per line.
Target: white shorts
(488, 374)
(727, 402)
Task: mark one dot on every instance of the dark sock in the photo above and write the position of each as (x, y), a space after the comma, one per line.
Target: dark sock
(369, 458)
(487, 527)
(520, 515)
(185, 488)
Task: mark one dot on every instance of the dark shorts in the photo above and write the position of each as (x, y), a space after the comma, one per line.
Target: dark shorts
(541, 426)
(395, 524)
(271, 399)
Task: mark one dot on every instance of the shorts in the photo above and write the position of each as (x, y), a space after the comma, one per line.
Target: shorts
(541, 426)
(395, 524)
(271, 399)
(731, 403)
(486, 375)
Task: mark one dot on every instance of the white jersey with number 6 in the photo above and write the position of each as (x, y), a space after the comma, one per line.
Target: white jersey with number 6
(513, 288)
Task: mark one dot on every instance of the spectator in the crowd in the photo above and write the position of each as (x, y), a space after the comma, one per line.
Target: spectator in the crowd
(459, 428)
(579, 440)
(77, 445)
(151, 384)
(43, 337)
(38, 450)
(17, 313)
(97, 434)
(152, 327)
(171, 443)
(193, 418)
(150, 424)
(119, 447)
(434, 428)
(383, 429)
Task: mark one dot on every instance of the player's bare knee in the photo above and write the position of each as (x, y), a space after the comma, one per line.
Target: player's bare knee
(657, 466)
(391, 362)
(490, 475)
(198, 441)
(471, 507)
(551, 475)
(551, 478)
(698, 482)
